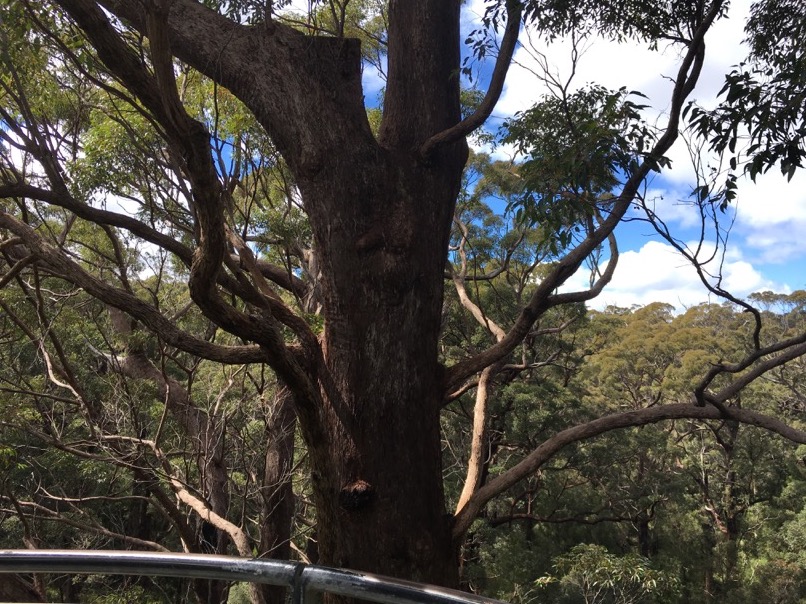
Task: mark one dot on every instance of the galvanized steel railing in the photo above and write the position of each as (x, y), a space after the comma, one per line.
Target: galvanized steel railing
(305, 582)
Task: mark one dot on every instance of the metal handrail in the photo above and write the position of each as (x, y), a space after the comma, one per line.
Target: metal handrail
(306, 582)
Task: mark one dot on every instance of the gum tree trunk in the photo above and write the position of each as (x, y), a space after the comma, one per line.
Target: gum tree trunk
(379, 490)
(381, 222)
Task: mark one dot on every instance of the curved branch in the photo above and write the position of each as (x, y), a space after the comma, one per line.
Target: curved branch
(99, 216)
(128, 303)
(184, 494)
(296, 85)
(483, 111)
(63, 199)
(475, 464)
(596, 288)
(16, 269)
(699, 266)
(191, 140)
(541, 299)
(641, 417)
(284, 278)
(272, 301)
(788, 350)
(119, 57)
(475, 310)
(55, 516)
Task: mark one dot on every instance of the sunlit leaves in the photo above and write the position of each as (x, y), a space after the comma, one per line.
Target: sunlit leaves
(597, 575)
(761, 121)
(576, 148)
(616, 19)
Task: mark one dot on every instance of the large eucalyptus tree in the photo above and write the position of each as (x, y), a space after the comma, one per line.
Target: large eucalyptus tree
(368, 387)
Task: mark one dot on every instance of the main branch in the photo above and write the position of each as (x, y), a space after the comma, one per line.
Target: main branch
(476, 119)
(641, 417)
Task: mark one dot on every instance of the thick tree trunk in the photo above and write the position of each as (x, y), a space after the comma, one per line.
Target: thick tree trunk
(14, 588)
(378, 480)
(381, 217)
(277, 492)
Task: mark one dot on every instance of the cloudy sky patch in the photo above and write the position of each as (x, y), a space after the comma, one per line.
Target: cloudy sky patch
(766, 248)
(656, 272)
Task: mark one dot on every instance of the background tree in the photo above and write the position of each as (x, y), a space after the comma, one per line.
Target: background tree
(696, 502)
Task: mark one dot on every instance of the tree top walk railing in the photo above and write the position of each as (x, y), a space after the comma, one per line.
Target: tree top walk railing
(306, 582)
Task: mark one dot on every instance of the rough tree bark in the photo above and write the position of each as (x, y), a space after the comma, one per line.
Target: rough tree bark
(277, 495)
(381, 236)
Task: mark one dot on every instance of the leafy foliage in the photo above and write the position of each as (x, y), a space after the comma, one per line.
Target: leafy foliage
(708, 509)
(763, 115)
(601, 577)
(576, 148)
(646, 21)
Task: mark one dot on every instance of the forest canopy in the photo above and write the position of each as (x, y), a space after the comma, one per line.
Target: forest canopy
(246, 310)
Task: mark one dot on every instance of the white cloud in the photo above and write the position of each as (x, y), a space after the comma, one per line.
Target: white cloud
(602, 61)
(631, 64)
(771, 217)
(772, 200)
(472, 12)
(658, 273)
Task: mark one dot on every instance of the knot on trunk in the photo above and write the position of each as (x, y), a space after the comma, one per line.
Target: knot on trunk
(356, 495)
